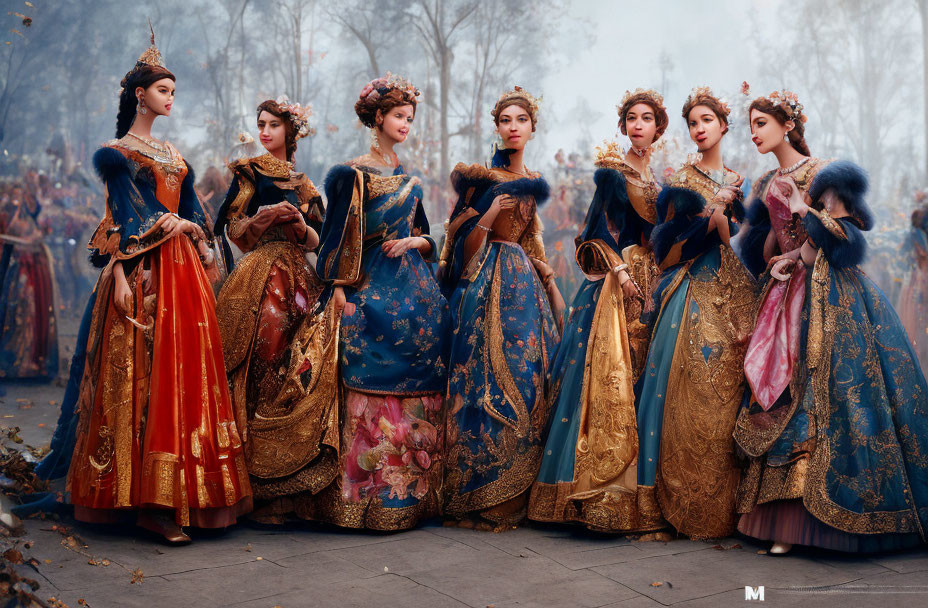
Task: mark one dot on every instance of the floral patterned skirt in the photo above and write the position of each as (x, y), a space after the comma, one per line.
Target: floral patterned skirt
(390, 469)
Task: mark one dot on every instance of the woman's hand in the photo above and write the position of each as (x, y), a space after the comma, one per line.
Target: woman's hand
(787, 192)
(629, 289)
(502, 202)
(122, 293)
(727, 195)
(294, 226)
(342, 306)
(780, 267)
(789, 255)
(172, 225)
(397, 247)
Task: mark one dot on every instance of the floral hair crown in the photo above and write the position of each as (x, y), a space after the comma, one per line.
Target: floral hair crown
(518, 93)
(783, 99)
(299, 116)
(702, 93)
(379, 87)
(651, 94)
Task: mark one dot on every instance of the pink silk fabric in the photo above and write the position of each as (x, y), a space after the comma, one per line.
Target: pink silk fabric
(774, 346)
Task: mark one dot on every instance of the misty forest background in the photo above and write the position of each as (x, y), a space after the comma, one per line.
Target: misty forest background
(859, 67)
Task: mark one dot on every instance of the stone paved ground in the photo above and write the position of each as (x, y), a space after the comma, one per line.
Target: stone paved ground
(433, 566)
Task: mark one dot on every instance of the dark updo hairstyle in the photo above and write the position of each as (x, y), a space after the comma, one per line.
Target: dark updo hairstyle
(522, 102)
(796, 135)
(661, 119)
(385, 100)
(710, 101)
(272, 107)
(142, 75)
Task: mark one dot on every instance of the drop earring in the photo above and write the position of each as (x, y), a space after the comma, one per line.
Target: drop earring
(140, 108)
(375, 143)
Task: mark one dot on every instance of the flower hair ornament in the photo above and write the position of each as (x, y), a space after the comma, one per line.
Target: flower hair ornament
(379, 87)
(783, 99)
(299, 116)
(789, 103)
(699, 94)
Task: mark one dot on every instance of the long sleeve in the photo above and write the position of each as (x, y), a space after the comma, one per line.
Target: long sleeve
(342, 237)
(190, 207)
(130, 210)
(421, 228)
(840, 240)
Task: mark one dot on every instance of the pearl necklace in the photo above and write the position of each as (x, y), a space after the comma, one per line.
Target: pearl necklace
(793, 167)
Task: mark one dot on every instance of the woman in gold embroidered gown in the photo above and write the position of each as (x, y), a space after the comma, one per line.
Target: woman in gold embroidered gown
(280, 355)
(589, 467)
(155, 432)
(692, 383)
(375, 253)
(505, 312)
(834, 424)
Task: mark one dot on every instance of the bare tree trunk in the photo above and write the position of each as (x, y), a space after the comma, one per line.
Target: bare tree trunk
(923, 9)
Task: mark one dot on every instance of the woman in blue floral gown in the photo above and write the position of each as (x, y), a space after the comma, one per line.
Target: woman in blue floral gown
(837, 449)
(501, 293)
(374, 254)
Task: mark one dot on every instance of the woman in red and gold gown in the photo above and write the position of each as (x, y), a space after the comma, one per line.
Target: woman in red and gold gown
(155, 434)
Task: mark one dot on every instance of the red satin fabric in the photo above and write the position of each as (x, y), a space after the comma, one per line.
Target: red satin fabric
(189, 401)
(186, 452)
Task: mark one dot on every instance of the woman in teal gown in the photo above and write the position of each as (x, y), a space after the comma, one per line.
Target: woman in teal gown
(588, 471)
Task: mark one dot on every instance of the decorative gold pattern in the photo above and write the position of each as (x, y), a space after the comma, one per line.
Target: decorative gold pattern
(607, 511)
(698, 471)
(607, 441)
(643, 269)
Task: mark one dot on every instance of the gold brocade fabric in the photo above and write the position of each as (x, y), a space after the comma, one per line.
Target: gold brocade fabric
(281, 360)
(604, 493)
(607, 511)
(698, 472)
(607, 445)
(643, 269)
(642, 190)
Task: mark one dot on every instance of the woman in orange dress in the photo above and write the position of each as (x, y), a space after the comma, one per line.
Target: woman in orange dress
(150, 417)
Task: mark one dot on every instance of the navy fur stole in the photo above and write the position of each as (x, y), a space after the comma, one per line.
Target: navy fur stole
(109, 161)
(686, 204)
(850, 183)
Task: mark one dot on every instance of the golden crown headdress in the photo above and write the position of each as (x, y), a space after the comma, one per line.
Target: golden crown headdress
(383, 85)
(651, 94)
(151, 57)
(702, 93)
(518, 92)
(299, 116)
